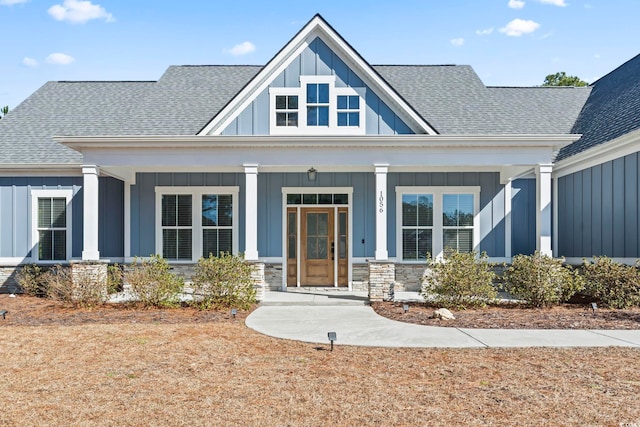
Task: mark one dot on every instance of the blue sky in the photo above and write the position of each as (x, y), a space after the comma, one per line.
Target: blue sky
(507, 42)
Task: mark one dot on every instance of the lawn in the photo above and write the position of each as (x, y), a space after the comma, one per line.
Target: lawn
(157, 369)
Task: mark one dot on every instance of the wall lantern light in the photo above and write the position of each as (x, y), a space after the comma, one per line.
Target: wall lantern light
(312, 174)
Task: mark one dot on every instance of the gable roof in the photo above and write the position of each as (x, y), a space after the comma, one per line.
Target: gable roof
(317, 27)
(612, 110)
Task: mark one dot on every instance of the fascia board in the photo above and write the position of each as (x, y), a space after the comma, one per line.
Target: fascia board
(624, 145)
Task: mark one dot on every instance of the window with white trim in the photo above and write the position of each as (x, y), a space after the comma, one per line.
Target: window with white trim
(51, 224)
(195, 222)
(317, 106)
(433, 220)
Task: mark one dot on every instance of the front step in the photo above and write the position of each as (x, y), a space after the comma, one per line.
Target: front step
(315, 297)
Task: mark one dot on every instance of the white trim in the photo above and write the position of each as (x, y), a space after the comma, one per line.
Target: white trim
(53, 193)
(606, 152)
(251, 212)
(196, 212)
(91, 211)
(437, 236)
(317, 27)
(554, 224)
(381, 206)
(301, 93)
(543, 209)
(317, 190)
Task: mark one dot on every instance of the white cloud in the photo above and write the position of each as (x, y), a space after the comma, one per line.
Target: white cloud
(457, 42)
(29, 62)
(59, 59)
(518, 27)
(79, 12)
(559, 3)
(516, 4)
(484, 32)
(242, 49)
(12, 2)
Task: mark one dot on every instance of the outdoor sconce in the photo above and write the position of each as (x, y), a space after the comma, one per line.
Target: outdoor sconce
(332, 338)
(312, 174)
(234, 311)
(405, 307)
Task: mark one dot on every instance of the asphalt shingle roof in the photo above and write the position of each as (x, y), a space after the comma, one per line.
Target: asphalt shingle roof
(613, 109)
(450, 97)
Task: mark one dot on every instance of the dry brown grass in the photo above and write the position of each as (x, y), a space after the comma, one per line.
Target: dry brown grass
(221, 373)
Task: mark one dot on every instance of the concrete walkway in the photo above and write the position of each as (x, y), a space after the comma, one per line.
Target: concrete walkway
(309, 314)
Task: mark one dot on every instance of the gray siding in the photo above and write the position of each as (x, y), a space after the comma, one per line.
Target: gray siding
(15, 216)
(143, 199)
(523, 217)
(317, 59)
(598, 210)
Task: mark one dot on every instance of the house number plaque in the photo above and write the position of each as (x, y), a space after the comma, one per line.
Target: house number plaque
(381, 203)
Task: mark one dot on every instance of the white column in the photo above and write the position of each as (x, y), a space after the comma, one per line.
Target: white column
(507, 219)
(543, 209)
(90, 213)
(251, 213)
(381, 212)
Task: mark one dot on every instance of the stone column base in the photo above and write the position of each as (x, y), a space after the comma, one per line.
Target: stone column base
(258, 278)
(382, 276)
(84, 272)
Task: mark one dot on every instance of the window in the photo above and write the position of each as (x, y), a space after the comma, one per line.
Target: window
(217, 224)
(433, 220)
(177, 226)
(287, 110)
(417, 226)
(457, 222)
(318, 104)
(51, 224)
(348, 110)
(196, 221)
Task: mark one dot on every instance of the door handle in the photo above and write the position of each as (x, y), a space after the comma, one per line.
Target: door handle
(332, 251)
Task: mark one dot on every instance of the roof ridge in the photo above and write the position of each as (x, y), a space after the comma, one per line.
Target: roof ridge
(419, 65)
(105, 81)
(537, 87)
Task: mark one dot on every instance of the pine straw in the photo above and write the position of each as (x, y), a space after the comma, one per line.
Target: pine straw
(222, 373)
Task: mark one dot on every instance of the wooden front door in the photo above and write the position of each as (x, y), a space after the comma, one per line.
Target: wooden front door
(317, 246)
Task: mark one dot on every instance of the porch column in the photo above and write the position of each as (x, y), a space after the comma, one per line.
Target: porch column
(543, 209)
(90, 213)
(381, 212)
(251, 213)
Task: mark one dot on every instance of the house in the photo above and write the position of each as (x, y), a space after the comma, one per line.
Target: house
(319, 167)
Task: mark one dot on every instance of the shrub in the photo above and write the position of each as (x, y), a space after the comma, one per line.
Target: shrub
(223, 281)
(153, 284)
(83, 290)
(30, 280)
(460, 280)
(115, 278)
(612, 284)
(541, 280)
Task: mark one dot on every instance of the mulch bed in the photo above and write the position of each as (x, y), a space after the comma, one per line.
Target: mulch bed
(514, 316)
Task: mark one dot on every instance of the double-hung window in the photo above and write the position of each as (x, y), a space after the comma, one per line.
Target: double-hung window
(317, 104)
(434, 220)
(348, 110)
(51, 224)
(287, 110)
(196, 222)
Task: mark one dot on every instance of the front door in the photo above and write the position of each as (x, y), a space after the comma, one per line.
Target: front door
(317, 246)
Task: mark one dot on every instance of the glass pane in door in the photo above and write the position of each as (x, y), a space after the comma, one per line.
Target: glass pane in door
(317, 235)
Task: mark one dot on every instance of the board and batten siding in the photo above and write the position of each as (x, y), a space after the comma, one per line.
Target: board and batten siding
(319, 60)
(598, 210)
(523, 216)
(15, 216)
(143, 203)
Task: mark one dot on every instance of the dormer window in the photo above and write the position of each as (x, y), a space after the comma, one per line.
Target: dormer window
(317, 106)
(287, 110)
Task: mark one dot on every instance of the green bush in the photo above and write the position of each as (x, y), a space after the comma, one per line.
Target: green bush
(460, 280)
(223, 281)
(612, 284)
(541, 280)
(30, 280)
(153, 284)
(58, 283)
